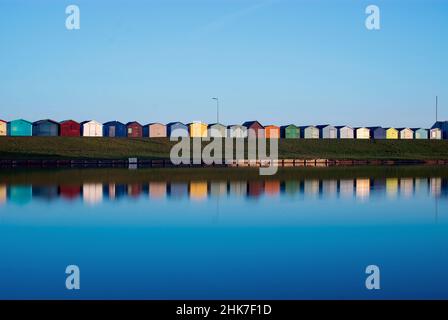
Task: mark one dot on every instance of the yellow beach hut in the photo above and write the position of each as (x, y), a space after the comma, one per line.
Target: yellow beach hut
(3, 128)
(197, 129)
(391, 133)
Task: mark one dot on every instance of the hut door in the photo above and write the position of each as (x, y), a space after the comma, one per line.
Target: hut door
(112, 131)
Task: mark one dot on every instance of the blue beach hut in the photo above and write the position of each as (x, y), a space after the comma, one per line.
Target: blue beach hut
(20, 128)
(114, 129)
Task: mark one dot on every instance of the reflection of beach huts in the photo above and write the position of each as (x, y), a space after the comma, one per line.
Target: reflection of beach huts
(420, 133)
(217, 130)
(19, 194)
(46, 128)
(362, 187)
(272, 132)
(329, 188)
(346, 187)
(2, 193)
(290, 132)
(255, 188)
(435, 186)
(3, 128)
(92, 193)
(309, 132)
(405, 133)
(114, 129)
(48, 193)
(391, 133)
(70, 192)
(327, 131)
(20, 128)
(155, 130)
(362, 133)
(378, 185)
(406, 187)
(218, 188)
(311, 187)
(238, 188)
(254, 129)
(70, 128)
(91, 128)
(157, 189)
(443, 127)
(377, 133)
(291, 187)
(134, 190)
(237, 131)
(421, 185)
(435, 134)
(177, 129)
(198, 190)
(197, 129)
(345, 132)
(392, 187)
(177, 189)
(272, 187)
(134, 129)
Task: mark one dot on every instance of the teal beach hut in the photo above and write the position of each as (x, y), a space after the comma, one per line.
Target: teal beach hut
(20, 128)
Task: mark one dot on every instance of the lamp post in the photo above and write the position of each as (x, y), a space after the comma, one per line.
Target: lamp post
(217, 109)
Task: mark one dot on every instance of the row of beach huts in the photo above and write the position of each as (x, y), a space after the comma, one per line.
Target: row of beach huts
(251, 129)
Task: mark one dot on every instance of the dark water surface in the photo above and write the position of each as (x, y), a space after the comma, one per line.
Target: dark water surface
(151, 235)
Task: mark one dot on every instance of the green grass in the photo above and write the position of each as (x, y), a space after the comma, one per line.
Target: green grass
(145, 148)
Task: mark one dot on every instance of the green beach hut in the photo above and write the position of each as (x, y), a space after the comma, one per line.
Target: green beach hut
(290, 132)
(20, 128)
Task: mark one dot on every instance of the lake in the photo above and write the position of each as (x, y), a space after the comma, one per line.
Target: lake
(224, 234)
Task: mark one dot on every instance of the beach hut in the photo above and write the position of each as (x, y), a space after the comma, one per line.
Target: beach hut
(405, 133)
(327, 131)
(20, 128)
(272, 187)
(362, 133)
(420, 133)
(91, 128)
(254, 129)
(134, 129)
(443, 126)
(114, 129)
(345, 132)
(309, 132)
(45, 128)
(435, 134)
(377, 132)
(272, 132)
(69, 128)
(177, 190)
(237, 131)
(391, 133)
(218, 188)
(290, 132)
(3, 128)
(92, 193)
(197, 129)
(155, 130)
(255, 188)
(217, 130)
(70, 191)
(177, 129)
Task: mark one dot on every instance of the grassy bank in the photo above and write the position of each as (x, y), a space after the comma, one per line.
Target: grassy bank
(121, 148)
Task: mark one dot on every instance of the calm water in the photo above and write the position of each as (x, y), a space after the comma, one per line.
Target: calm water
(249, 239)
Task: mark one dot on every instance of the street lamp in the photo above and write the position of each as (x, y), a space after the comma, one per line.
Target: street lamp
(217, 109)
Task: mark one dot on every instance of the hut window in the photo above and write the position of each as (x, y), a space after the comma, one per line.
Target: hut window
(130, 130)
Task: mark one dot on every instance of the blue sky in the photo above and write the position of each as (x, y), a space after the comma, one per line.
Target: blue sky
(278, 61)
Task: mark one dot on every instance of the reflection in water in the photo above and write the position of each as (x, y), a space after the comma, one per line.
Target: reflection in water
(362, 188)
(96, 192)
(2, 193)
(157, 189)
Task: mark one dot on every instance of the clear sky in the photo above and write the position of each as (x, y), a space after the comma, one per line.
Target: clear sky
(278, 61)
